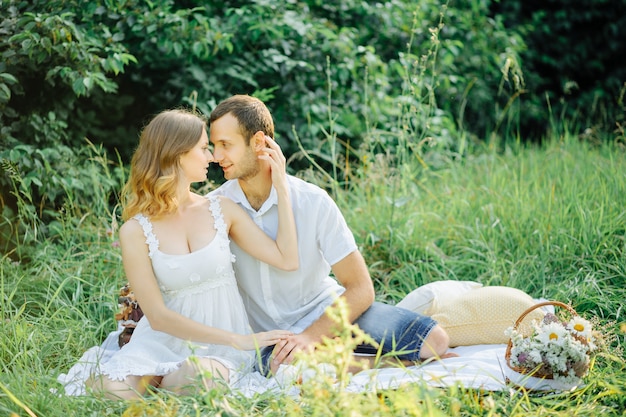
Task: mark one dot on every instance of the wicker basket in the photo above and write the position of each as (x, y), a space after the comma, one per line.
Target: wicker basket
(542, 371)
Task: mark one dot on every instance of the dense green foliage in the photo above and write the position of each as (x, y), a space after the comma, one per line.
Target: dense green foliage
(348, 73)
(573, 62)
(290, 54)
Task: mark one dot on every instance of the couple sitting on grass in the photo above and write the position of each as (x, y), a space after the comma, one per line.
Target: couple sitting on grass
(181, 263)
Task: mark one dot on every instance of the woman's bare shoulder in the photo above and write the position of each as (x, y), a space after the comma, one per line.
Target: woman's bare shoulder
(224, 200)
(131, 229)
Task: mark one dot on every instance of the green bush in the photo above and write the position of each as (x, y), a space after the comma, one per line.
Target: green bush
(71, 60)
(573, 64)
(52, 67)
(51, 190)
(339, 77)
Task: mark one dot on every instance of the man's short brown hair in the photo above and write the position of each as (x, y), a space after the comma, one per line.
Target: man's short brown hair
(250, 112)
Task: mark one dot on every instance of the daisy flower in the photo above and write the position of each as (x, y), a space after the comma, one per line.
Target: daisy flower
(579, 326)
(552, 333)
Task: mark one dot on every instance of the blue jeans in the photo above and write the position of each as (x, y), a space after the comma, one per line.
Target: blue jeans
(394, 328)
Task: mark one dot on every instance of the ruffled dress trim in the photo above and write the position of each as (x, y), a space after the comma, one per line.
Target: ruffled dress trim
(151, 239)
(220, 225)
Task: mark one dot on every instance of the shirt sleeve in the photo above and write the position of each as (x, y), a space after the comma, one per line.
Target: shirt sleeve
(335, 238)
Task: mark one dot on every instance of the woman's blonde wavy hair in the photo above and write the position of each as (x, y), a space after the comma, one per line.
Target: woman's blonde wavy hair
(155, 166)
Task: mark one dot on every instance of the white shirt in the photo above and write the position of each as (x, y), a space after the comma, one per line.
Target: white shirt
(292, 300)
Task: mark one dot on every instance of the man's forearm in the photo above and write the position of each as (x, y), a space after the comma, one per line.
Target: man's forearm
(356, 299)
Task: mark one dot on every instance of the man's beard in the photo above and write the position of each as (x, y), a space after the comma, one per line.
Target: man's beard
(249, 166)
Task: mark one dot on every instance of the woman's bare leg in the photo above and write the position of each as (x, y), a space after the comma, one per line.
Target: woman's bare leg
(131, 388)
(184, 379)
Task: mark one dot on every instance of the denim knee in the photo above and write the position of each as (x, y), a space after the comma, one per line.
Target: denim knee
(396, 330)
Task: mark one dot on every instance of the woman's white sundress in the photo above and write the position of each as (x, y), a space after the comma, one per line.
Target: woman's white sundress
(200, 285)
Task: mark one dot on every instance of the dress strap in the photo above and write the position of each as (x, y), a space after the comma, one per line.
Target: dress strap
(151, 239)
(216, 211)
(218, 220)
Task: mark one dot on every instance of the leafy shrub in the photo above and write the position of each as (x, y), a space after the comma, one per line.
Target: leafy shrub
(425, 79)
(571, 64)
(53, 189)
(51, 64)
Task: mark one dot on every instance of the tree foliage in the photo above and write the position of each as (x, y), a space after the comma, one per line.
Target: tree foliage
(53, 66)
(73, 60)
(574, 63)
(336, 75)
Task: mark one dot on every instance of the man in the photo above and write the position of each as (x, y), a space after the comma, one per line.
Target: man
(297, 300)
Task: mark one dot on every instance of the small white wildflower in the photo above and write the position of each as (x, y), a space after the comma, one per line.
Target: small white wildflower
(556, 361)
(535, 355)
(510, 332)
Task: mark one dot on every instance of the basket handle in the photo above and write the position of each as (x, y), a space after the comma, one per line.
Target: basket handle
(544, 303)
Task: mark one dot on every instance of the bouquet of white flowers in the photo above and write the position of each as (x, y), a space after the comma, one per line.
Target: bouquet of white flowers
(555, 349)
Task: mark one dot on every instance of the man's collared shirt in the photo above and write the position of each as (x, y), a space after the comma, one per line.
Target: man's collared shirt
(292, 300)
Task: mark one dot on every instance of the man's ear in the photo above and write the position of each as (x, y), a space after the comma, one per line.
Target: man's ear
(258, 141)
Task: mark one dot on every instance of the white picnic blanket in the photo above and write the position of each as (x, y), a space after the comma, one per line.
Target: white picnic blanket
(479, 367)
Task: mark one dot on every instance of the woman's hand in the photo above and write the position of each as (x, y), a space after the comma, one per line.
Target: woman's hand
(278, 163)
(261, 339)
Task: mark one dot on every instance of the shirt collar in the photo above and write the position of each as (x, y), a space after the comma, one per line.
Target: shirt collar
(240, 198)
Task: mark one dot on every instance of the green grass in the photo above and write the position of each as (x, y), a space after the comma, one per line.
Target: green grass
(549, 220)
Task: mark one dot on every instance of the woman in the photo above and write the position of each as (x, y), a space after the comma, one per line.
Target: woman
(176, 255)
